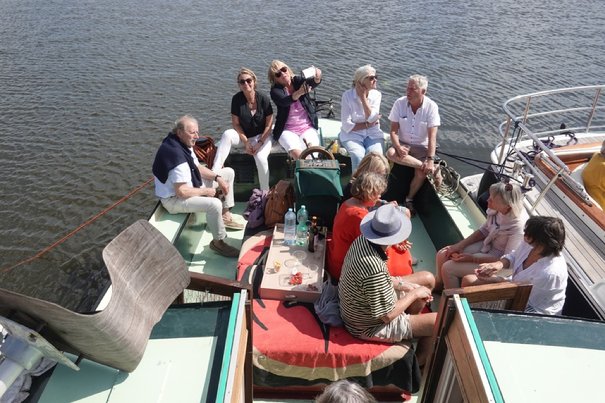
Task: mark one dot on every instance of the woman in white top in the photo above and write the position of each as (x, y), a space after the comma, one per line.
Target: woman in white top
(501, 233)
(537, 261)
(360, 132)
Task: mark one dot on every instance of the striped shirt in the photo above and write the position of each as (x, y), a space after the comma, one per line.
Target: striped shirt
(365, 289)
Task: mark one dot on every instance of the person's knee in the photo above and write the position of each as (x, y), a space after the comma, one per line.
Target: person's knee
(441, 255)
(230, 135)
(419, 174)
(468, 280)
(427, 279)
(215, 206)
(422, 324)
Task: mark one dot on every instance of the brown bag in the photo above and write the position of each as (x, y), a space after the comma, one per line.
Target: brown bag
(279, 199)
(205, 150)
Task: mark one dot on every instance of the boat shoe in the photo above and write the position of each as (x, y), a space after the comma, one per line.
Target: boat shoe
(223, 248)
(234, 225)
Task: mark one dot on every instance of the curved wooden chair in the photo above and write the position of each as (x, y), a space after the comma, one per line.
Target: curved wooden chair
(147, 273)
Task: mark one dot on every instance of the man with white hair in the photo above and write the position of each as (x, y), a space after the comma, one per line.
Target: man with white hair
(185, 186)
(414, 123)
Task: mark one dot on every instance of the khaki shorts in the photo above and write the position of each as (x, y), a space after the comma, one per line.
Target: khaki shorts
(418, 151)
(395, 331)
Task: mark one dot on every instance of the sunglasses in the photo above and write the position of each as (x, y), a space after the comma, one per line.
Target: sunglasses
(372, 78)
(280, 71)
(247, 80)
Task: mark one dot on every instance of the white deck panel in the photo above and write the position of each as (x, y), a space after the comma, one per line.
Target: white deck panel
(167, 366)
(529, 373)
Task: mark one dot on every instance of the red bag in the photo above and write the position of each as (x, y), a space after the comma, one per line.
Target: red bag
(205, 150)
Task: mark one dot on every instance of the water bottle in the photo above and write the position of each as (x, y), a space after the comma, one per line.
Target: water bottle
(302, 215)
(290, 227)
(301, 233)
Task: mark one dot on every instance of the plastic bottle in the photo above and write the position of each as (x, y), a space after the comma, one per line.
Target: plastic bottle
(290, 227)
(301, 233)
(302, 215)
(301, 229)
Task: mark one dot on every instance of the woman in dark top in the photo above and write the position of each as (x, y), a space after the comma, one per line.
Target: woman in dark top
(296, 121)
(251, 118)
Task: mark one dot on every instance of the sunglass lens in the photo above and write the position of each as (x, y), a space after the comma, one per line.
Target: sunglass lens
(282, 69)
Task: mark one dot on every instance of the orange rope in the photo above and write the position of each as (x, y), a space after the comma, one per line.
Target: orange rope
(86, 223)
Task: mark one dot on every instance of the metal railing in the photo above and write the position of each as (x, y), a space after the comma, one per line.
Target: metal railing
(534, 124)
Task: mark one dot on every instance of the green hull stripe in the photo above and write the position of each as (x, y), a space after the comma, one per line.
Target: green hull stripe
(222, 383)
(491, 378)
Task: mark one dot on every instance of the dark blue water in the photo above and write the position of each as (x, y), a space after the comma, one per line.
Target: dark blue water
(89, 88)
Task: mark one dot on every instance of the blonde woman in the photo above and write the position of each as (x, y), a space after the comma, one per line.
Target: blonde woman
(372, 162)
(251, 118)
(296, 123)
(360, 116)
(501, 233)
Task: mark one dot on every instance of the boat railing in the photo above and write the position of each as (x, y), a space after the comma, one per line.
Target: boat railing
(518, 127)
(522, 122)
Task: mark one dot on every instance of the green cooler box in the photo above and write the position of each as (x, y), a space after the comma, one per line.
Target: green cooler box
(317, 186)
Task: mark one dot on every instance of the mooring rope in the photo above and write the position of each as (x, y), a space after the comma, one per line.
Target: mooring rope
(80, 227)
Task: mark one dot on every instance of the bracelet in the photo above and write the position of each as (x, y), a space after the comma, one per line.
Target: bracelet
(429, 158)
(216, 177)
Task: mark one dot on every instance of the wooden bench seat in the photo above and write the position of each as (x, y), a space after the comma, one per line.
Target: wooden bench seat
(170, 225)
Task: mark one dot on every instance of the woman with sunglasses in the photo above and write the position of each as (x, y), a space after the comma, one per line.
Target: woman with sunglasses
(360, 132)
(296, 123)
(537, 261)
(501, 233)
(251, 118)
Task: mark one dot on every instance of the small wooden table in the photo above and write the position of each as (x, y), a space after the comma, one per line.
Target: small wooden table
(277, 279)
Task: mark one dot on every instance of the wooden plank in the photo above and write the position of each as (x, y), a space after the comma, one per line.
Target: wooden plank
(170, 225)
(239, 384)
(467, 369)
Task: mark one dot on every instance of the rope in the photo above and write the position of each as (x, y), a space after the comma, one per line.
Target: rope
(80, 227)
(475, 163)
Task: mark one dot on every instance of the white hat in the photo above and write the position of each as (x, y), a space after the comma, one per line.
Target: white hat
(387, 225)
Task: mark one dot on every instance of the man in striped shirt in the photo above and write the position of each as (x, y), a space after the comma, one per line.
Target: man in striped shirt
(369, 305)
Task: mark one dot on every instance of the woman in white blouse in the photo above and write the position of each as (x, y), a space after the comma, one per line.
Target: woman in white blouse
(360, 133)
(537, 261)
(501, 233)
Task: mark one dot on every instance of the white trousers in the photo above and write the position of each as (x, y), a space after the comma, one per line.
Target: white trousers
(229, 139)
(292, 141)
(212, 206)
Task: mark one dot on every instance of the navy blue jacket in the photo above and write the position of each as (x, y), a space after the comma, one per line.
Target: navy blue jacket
(171, 154)
(283, 101)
